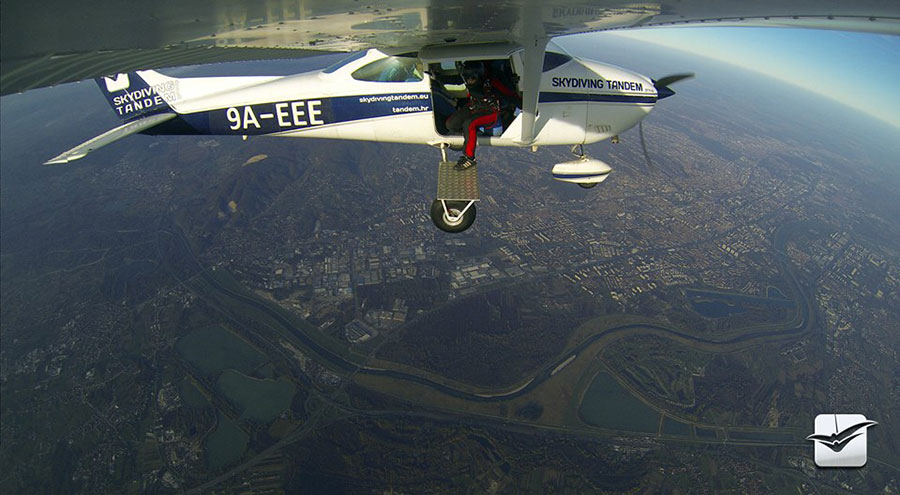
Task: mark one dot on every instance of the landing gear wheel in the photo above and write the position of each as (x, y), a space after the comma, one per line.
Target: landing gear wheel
(587, 186)
(456, 221)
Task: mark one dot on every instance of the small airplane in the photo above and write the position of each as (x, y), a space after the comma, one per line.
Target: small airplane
(373, 96)
(401, 83)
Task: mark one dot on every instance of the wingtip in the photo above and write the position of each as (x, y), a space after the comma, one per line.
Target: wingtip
(65, 158)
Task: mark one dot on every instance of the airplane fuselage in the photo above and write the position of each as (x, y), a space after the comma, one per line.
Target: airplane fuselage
(372, 96)
(580, 102)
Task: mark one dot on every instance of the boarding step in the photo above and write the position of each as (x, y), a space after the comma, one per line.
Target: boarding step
(457, 185)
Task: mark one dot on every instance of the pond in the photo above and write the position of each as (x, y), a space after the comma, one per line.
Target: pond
(716, 304)
(213, 349)
(262, 400)
(608, 405)
(226, 445)
(675, 427)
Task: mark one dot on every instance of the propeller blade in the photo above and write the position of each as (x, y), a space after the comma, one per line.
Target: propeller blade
(650, 166)
(662, 84)
(674, 78)
(662, 91)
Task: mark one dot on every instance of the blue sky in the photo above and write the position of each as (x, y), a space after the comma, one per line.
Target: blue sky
(857, 69)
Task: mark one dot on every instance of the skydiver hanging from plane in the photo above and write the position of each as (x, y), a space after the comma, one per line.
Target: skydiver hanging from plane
(482, 108)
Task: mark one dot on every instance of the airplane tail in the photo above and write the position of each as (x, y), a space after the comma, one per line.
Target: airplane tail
(142, 99)
(138, 94)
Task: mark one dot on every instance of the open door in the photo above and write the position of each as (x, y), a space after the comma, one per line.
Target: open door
(449, 92)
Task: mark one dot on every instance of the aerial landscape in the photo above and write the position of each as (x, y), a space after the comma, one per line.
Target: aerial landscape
(218, 315)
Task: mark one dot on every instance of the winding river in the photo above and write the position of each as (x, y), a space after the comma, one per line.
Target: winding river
(781, 236)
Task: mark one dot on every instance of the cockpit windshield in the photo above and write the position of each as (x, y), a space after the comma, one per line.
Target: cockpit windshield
(391, 69)
(344, 61)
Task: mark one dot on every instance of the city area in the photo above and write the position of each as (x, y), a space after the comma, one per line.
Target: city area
(185, 315)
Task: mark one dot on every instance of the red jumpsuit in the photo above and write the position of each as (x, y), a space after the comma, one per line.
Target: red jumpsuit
(482, 110)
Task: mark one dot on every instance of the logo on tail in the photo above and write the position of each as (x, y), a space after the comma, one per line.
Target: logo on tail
(131, 96)
(118, 83)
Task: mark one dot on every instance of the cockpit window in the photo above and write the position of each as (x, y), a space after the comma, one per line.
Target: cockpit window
(391, 69)
(553, 60)
(344, 61)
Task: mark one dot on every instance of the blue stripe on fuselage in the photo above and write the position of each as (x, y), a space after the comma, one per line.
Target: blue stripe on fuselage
(578, 176)
(555, 97)
(291, 115)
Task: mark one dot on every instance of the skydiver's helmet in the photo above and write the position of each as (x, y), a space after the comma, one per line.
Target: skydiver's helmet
(472, 70)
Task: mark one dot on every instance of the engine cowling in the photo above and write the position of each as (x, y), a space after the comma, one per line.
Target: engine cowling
(583, 170)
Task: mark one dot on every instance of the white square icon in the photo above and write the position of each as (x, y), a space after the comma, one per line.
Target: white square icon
(117, 83)
(841, 440)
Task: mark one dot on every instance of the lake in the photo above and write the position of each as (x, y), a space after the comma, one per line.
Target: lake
(262, 400)
(609, 405)
(213, 349)
(226, 445)
(714, 304)
(675, 427)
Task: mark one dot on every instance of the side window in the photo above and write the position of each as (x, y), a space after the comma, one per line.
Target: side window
(391, 69)
(553, 60)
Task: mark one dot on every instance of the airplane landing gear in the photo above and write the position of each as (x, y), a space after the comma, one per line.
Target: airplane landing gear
(453, 216)
(454, 209)
(585, 171)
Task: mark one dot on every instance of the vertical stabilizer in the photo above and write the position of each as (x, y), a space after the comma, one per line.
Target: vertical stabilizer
(138, 94)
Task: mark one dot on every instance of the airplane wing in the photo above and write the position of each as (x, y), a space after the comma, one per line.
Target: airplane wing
(59, 40)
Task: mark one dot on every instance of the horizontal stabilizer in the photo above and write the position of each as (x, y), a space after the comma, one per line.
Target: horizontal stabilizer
(110, 136)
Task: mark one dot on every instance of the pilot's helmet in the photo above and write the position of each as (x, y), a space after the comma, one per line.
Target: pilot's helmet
(472, 70)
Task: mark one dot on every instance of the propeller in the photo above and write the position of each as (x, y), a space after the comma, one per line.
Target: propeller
(662, 91)
(650, 166)
(662, 84)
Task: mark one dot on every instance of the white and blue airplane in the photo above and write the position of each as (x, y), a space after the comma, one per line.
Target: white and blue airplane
(372, 96)
(398, 86)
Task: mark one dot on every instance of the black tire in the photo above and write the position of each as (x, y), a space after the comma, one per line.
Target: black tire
(587, 186)
(437, 216)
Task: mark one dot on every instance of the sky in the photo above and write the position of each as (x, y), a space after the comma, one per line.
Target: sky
(856, 69)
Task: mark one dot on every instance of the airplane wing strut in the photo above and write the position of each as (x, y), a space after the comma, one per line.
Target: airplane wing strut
(110, 136)
(533, 59)
(534, 39)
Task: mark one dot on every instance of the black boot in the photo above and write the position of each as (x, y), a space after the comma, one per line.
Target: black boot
(465, 162)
